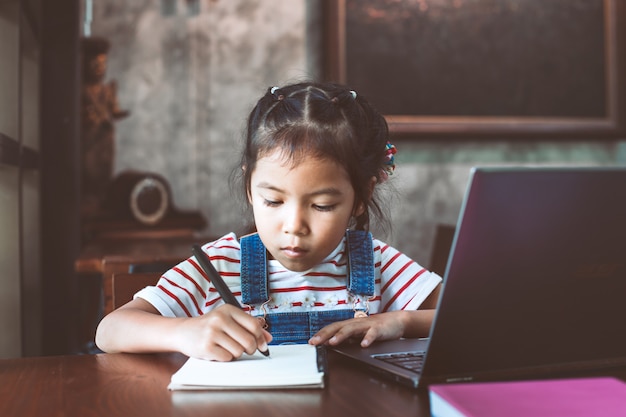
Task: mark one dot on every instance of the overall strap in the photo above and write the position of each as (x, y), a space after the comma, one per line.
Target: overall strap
(360, 251)
(254, 285)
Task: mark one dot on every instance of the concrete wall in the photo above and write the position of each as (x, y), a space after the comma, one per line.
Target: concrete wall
(190, 81)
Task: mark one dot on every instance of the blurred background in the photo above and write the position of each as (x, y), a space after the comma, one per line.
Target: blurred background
(120, 122)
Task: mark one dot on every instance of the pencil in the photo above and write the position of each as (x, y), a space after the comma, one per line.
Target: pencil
(217, 281)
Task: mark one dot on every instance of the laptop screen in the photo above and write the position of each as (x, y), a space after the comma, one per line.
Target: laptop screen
(536, 277)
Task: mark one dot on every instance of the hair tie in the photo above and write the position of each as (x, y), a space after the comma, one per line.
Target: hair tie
(273, 91)
(388, 162)
(353, 94)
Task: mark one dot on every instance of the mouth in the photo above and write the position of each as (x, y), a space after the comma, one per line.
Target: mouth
(293, 251)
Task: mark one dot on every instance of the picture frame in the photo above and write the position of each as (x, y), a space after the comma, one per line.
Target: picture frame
(484, 68)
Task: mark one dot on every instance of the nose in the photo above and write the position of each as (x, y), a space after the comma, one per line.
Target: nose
(295, 222)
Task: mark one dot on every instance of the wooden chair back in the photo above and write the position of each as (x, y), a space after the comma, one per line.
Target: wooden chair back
(442, 243)
(125, 285)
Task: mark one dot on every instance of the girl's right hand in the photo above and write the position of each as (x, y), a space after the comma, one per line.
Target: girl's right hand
(222, 335)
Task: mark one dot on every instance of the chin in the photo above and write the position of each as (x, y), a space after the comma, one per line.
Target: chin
(295, 266)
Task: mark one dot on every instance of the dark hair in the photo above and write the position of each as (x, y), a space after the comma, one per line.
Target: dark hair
(326, 121)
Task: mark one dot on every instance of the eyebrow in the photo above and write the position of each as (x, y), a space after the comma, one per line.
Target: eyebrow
(332, 191)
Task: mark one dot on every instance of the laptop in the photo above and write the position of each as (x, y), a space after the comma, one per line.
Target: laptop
(535, 285)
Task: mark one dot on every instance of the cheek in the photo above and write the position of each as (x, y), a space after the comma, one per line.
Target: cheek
(263, 214)
(258, 210)
(256, 201)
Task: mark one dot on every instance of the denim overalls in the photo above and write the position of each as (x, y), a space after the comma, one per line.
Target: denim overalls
(299, 327)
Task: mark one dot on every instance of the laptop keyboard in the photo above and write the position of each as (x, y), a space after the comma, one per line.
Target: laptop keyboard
(407, 360)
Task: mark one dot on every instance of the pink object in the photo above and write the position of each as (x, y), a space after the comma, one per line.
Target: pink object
(577, 397)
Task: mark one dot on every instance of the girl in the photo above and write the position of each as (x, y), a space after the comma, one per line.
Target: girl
(313, 157)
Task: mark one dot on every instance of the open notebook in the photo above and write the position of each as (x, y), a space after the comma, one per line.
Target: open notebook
(289, 366)
(535, 283)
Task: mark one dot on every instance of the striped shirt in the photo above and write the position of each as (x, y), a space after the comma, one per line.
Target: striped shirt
(185, 291)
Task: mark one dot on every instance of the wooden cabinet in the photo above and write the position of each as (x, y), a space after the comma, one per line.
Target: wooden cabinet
(110, 270)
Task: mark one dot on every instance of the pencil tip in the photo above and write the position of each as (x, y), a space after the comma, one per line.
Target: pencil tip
(265, 352)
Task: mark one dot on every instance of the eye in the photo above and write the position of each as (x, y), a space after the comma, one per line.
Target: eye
(271, 203)
(319, 207)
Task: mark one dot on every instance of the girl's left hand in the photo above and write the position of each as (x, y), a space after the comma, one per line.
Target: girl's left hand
(384, 326)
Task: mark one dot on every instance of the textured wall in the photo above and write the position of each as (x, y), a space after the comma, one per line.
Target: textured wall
(191, 80)
(431, 178)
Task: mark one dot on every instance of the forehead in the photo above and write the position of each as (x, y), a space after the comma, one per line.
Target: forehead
(291, 160)
(280, 167)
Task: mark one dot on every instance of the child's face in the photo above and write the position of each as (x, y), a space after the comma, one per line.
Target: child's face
(301, 212)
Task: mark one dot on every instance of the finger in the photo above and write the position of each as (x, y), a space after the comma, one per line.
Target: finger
(255, 336)
(224, 348)
(342, 331)
(245, 340)
(239, 331)
(370, 337)
(324, 334)
(266, 338)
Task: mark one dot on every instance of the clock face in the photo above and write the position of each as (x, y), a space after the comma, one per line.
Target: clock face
(149, 200)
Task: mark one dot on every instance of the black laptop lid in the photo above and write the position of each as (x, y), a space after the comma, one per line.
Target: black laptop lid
(536, 279)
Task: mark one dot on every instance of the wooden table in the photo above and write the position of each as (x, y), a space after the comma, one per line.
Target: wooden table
(132, 385)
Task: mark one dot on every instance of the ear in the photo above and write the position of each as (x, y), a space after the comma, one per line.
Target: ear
(373, 182)
(248, 194)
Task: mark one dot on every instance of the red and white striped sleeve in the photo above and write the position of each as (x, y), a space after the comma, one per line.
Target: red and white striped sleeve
(186, 291)
(404, 283)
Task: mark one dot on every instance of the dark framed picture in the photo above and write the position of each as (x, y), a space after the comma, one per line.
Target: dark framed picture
(484, 68)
